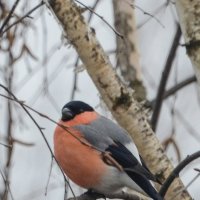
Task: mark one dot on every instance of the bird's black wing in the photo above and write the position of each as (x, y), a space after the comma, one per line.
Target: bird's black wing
(150, 175)
(139, 174)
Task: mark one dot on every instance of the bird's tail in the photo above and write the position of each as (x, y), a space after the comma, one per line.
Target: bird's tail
(158, 197)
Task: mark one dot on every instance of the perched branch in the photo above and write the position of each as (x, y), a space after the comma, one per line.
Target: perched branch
(121, 195)
(118, 98)
(175, 173)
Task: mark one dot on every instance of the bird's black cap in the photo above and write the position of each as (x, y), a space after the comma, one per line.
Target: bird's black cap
(73, 108)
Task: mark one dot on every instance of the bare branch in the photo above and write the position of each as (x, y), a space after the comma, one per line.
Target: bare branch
(7, 185)
(6, 145)
(189, 184)
(155, 12)
(22, 18)
(14, 98)
(6, 21)
(188, 13)
(146, 13)
(101, 17)
(127, 53)
(175, 173)
(164, 78)
(48, 180)
(176, 88)
(74, 87)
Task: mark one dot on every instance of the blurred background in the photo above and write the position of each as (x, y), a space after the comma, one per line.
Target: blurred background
(41, 68)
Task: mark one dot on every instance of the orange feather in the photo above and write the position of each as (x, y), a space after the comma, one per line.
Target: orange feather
(81, 163)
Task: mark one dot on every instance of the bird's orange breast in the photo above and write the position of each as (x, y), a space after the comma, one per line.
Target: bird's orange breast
(81, 163)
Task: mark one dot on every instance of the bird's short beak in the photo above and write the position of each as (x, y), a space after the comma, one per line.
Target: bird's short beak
(67, 114)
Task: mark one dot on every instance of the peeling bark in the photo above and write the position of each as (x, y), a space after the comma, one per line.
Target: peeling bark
(189, 16)
(127, 51)
(118, 98)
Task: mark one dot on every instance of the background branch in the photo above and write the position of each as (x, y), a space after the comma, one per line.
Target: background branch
(6, 21)
(164, 78)
(176, 88)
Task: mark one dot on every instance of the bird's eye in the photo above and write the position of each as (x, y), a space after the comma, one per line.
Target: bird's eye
(67, 114)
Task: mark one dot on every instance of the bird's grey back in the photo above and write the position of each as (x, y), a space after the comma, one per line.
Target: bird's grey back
(102, 132)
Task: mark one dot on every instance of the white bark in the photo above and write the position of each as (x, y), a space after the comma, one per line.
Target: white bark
(189, 16)
(127, 51)
(118, 98)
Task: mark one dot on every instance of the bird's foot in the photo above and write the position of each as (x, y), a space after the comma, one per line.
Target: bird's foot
(96, 195)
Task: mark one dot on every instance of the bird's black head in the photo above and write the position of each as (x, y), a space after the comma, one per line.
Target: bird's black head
(73, 108)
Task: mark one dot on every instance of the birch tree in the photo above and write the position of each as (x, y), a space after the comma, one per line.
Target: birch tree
(118, 98)
(128, 60)
(33, 88)
(189, 15)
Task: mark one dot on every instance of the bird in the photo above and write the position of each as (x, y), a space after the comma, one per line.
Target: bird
(98, 154)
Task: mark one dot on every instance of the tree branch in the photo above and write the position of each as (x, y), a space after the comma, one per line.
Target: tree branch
(175, 173)
(22, 18)
(6, 21)
(175, 88)
(119, 195)
(127, 55)
(24, 107)
(189, 17)
(164, 78)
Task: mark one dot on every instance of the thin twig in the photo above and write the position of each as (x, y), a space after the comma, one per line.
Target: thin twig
(48, 180)
(188, 185)
(7, 185)
(146, 13)
(22, 18)
(93, 8)
(9, 16)
(6, 145)
(155, 12)
(39, 128)
(74, 87)
(101, 17)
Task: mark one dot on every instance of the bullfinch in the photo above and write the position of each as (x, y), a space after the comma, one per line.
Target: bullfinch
(99, 155)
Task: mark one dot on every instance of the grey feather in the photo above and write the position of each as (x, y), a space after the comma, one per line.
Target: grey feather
(102, 132)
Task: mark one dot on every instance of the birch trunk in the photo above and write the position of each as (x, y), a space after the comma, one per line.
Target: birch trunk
(189, 17)
(119, 99)
(127, 50)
